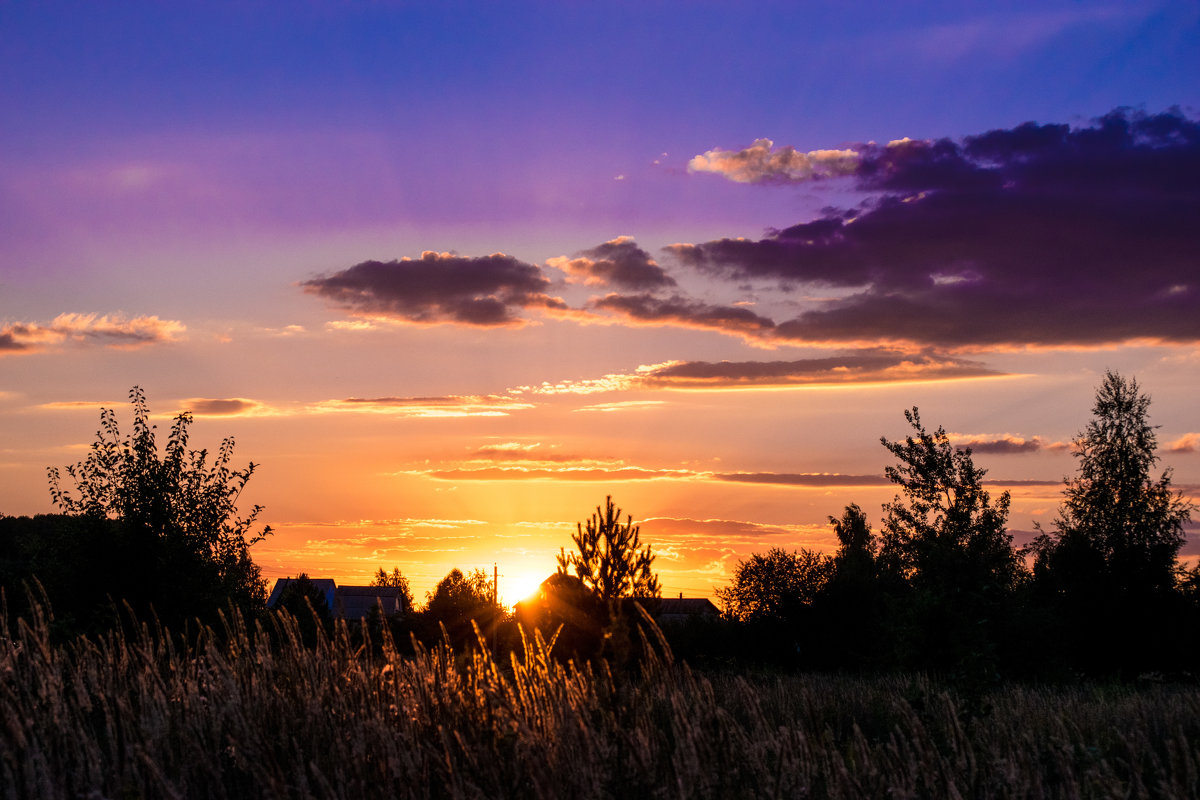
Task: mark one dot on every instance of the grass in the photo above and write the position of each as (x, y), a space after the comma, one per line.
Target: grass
(254, 714)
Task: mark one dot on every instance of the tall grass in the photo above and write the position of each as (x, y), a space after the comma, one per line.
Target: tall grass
(254, 714)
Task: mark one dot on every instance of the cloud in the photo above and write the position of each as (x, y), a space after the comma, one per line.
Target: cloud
(860, 367)
(1188, 443)
(561, 474)
(618, 262)
(999, 444)
(868, 367)
(646, 309)
(820, 479)
(1039, 235)
(485, 291)
(221, 407)
(759, 163)
(515, 452)
(490, 405)
(816, 479)
(109, 330)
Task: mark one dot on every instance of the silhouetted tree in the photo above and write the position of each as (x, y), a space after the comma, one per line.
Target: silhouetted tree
(946, 539)
(189, 548)
(396, 580)
(774, 586)
(1114, 507)
(610, 560)
(1109, 567)
(850, 607)
(771, 596)
(458, 599)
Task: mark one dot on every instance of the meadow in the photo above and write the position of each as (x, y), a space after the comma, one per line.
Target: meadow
(252, 712)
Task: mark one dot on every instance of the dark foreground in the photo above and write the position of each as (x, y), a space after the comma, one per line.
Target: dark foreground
(257, 715)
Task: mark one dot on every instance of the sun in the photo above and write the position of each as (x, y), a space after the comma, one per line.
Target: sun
(521, 585)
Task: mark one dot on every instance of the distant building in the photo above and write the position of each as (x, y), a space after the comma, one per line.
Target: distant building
(348, 602)
(673, 610)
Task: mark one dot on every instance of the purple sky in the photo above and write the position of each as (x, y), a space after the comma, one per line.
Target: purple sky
(453, 272)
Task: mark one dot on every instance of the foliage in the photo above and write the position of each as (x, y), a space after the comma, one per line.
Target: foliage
(305, 601)
(942, 530)
(179, 511)
(396, 580)
(775, 586)
(610, 559)
(1106, 576)
(459, 600)
(249, 715)
(946, 539)
(1115, 516)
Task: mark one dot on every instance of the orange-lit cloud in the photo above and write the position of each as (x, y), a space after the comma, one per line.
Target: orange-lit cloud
(760, 163)
(616, 473)
(868, 366)
(223, 407)
(446, 406)
(107, 330)
(1188, 443)
(618, 262)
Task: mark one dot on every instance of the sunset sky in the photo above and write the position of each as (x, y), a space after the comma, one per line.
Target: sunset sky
(453, 272)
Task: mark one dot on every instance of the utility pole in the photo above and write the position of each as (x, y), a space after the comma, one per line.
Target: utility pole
(495, 603)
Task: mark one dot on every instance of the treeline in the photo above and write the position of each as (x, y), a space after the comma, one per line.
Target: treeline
(940, 587)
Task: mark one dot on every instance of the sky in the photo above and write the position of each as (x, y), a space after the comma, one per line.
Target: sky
(452, 273)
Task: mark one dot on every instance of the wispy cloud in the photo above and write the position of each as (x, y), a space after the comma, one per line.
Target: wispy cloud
(104, 330)
(854, 368)
(444, 406)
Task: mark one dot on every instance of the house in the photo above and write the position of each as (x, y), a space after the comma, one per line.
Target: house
(675, 610)
(347, 602)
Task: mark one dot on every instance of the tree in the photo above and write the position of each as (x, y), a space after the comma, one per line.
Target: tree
(610, 560)
(1115, 515)
(851, 607)
(943, 530)
(458, 599)
(947, 541)
(395, 580)
(1107, 573)
(188, 549)
(774, 587)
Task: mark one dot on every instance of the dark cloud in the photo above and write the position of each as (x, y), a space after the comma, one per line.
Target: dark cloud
(646, 309)
(1039, 235)
(620, 263)
(219, 407)
(869, 367)
(9, 344)
(999, 445)
(438, 288)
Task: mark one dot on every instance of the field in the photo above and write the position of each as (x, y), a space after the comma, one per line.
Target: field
(253, 713)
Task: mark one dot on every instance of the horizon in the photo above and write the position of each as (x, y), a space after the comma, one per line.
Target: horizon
(453, 275)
